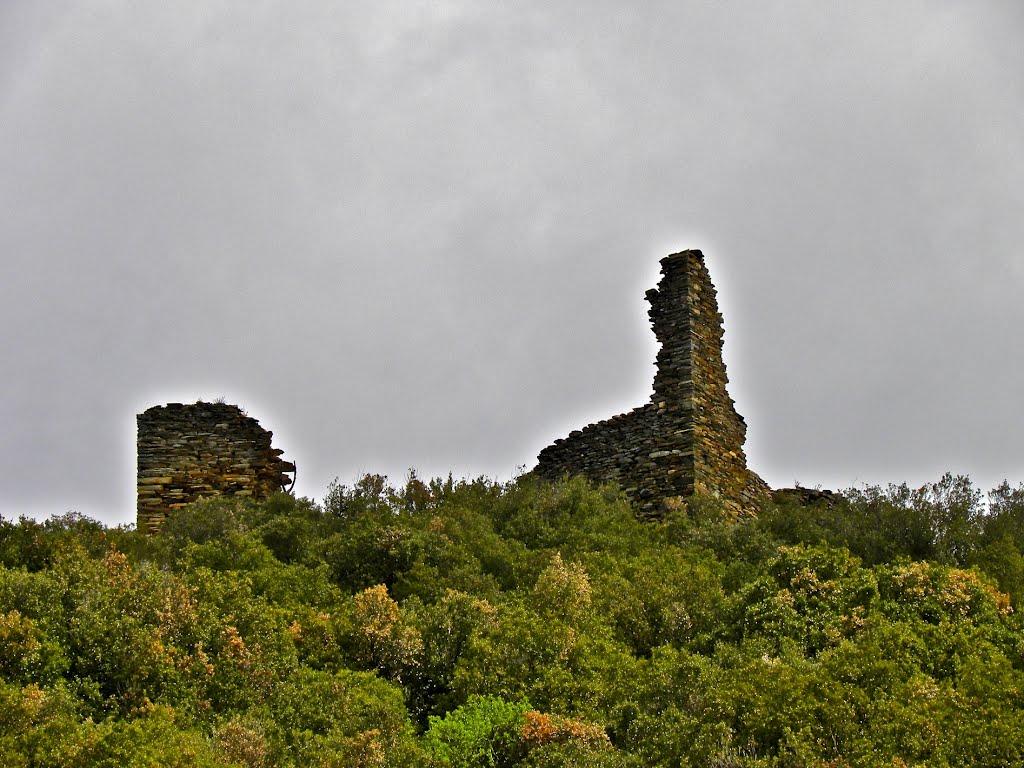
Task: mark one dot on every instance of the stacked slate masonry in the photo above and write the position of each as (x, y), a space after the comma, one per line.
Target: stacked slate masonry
(189, 452)
(689, 438)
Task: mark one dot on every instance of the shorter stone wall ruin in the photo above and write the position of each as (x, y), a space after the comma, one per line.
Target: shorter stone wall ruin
(189, 452)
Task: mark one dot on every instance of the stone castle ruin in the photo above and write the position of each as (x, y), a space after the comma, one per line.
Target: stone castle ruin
(189, 452)
(689, 438)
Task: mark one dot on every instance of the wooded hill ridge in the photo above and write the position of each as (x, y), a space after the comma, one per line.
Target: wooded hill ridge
(528, 623)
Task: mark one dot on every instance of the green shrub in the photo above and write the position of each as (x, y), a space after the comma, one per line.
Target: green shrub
(482, 733)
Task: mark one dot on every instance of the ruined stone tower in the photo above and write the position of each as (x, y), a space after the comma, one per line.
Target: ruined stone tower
(188, 452)
(689, 438)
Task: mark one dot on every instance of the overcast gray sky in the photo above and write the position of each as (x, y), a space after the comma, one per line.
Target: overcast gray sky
(417, 234)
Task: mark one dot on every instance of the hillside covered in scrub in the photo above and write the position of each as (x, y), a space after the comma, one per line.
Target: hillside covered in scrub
(521, 624)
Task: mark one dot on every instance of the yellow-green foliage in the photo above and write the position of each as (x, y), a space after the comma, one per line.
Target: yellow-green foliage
(523, 624)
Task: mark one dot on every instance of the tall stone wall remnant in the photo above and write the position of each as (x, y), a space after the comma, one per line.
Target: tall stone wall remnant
(689, 438)
(188, 452)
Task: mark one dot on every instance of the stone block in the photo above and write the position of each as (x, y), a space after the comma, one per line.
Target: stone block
(187, 452)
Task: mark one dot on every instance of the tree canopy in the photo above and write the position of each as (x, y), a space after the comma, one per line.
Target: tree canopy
(474, 623)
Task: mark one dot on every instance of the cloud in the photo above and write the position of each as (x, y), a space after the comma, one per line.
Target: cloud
(419, 233)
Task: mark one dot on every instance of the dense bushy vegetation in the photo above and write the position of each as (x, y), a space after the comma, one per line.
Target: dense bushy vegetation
(461, 624)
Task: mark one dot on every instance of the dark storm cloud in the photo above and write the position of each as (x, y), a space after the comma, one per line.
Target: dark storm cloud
(418, 234)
